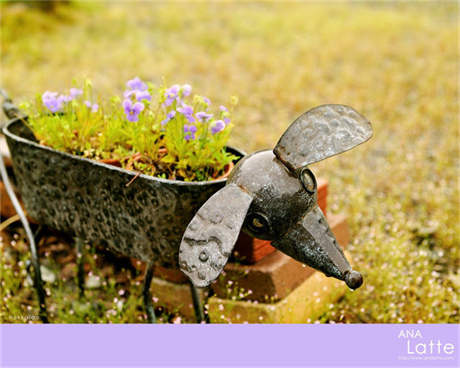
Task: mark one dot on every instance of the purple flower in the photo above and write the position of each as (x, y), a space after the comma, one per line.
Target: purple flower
(219, 125)
(189, 131)
(140, 95)
(93, 107)
(172, 91)
(203, 116)
(143, 95)
(136, 84)
(129, 93)
(186, 90)
(168, 102)
(207, 100)
(49, 95)
(170, 115)
(51, 101)
(65, 98)
(75, 92)
(226, 121)
(132, 110)
(223, 108)
(190, 128)
(171, 94)
(187, 111)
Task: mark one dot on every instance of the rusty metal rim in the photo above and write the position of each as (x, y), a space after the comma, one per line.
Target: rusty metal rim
(15, 137)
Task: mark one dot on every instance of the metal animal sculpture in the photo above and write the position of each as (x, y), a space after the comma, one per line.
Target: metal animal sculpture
(272, 195)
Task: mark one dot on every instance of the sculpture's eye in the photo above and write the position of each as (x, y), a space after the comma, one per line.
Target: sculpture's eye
(257, 223)
(308, 180)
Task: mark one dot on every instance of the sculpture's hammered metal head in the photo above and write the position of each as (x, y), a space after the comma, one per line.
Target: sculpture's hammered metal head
(273, 196)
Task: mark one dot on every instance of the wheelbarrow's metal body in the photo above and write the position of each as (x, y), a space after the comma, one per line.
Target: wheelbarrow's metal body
(143, 218)
(133, 215)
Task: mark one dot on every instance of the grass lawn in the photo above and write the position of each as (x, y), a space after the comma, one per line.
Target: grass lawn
(397, 64)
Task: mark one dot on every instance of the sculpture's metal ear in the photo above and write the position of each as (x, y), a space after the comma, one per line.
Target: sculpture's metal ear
(209, 238)
(322, 132)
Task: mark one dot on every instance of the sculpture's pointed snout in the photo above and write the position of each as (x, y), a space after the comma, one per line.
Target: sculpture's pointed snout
(311, 241)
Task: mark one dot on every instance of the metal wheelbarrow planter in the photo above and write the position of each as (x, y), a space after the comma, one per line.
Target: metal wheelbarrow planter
(269, 194)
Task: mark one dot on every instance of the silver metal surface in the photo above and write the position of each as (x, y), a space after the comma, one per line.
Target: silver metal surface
(210, 236)
(320, 133)
(272, 195)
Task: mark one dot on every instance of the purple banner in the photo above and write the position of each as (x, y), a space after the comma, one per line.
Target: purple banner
(375, 345)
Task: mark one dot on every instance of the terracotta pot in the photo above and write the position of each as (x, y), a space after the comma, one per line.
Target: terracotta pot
(111, 161)
(227, 170)
(7, 209)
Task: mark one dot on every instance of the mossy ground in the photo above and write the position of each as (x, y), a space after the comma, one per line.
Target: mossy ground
(396, 63)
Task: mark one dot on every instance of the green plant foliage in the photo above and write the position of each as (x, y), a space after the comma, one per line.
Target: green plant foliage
(157, 131)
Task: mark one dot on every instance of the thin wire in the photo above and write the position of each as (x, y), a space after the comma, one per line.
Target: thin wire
(17, 207)
(8, 222)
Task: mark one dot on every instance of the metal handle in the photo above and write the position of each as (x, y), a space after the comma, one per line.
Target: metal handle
(32, 246)
(10, 110)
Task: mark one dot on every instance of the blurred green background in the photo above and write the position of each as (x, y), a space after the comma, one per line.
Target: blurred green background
(396, 63)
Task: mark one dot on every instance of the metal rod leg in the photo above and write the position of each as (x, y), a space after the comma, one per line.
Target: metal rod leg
(199, 312)
(38, 284)
(80, 266)
(38, 235)
(147, 296)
